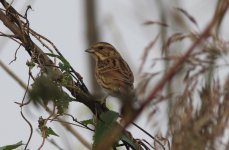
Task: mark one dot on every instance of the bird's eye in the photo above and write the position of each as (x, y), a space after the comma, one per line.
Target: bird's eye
(100, 48)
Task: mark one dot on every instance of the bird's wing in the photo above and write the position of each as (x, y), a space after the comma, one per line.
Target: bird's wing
(119, 71)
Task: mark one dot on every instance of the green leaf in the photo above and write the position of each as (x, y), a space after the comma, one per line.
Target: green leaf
(64, 65)
(62, 103)
(49, 131)
(66, 78)
(87, 122)
(45, 131)
(11, 147)
(44, 89)
(52, 55)
(105, 125)
(107, 119)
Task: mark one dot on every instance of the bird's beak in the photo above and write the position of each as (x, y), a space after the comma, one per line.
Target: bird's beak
(89, 50)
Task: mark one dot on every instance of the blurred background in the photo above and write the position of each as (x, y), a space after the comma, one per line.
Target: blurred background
(73, 26)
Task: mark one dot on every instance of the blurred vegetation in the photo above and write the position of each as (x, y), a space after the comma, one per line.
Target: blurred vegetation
(194, 85)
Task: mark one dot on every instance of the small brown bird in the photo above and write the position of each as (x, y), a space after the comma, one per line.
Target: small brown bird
(112, 72)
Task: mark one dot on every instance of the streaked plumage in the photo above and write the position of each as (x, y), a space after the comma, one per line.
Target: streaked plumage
(112, 72)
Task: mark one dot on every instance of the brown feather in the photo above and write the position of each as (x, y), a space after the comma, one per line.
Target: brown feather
(112, 72)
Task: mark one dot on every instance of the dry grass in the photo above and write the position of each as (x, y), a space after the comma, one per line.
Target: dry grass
(195, 83)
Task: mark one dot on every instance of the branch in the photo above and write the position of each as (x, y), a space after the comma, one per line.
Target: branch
(19, 26)
(13, 22)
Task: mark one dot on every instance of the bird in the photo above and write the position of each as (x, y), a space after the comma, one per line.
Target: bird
(112, 72)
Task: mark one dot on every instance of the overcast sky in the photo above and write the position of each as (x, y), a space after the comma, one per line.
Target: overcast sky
(120, 23)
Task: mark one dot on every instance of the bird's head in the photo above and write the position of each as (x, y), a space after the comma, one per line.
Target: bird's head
(102, 51)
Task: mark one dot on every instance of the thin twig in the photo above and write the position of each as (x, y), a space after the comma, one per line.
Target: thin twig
(149, 135)
(85, 127)
(12, 37)
(15, 55)
(73, 132)
(75, 120)
(23, 116)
